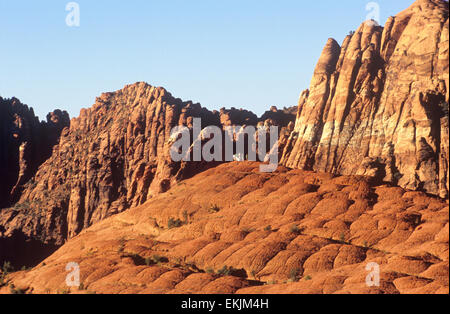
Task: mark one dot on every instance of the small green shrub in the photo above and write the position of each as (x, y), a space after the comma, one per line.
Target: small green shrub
(247, 230)
(7, 268)
(174, 223)
(294, 275)
(225, 271)
(295, 229)
(157, 259)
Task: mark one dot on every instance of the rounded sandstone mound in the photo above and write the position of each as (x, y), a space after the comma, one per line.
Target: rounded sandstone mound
(232, 229)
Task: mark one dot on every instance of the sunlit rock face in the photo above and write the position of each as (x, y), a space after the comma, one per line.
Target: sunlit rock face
(378, 104)
(114, 156)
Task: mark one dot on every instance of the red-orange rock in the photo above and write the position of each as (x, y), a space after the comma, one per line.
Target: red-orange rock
(25, 143)
(378, 105)
(115, 156)
(242, 231)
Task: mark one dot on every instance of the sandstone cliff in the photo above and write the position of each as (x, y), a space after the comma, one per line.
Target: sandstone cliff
(115, 156)
(378, 104)
(25, 143)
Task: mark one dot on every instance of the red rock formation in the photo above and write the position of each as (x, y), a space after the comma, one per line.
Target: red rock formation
(291, 231)
(25, 143)
(378, 105)
(115, 156)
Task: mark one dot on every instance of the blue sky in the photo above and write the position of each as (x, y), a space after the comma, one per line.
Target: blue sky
(229, 53)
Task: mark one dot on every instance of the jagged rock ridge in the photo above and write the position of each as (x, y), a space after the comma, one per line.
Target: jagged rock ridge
(378, 104)
(25, 143)
(115, 156)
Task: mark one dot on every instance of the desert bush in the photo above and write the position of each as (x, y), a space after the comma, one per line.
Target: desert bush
(247, 230)
(294, 275)
(295, 229)
(157, 259)
(174, 223)
(7, 268)
(254, 274)
(225, 271)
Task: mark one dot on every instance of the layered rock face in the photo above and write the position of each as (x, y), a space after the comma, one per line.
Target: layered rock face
(115, 156)
(378, 104)
(25, 143)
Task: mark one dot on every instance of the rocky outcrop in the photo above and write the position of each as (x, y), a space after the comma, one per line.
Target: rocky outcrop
(378, 104)
(115, 156)
(233, 229)
(25, 143)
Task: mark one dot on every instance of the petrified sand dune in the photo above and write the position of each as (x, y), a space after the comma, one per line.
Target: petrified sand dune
(288, 232)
